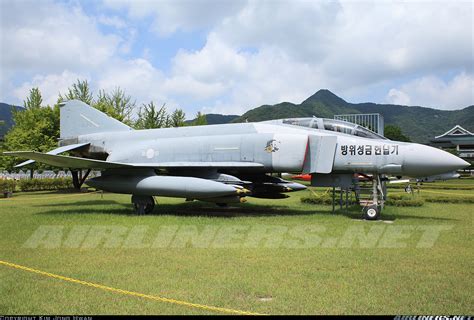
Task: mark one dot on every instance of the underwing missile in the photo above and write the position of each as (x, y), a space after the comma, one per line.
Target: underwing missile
(226, 200)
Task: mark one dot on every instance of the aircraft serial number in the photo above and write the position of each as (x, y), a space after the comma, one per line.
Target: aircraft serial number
(368, 150)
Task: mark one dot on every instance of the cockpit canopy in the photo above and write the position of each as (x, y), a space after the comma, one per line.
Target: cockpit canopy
(331, 125)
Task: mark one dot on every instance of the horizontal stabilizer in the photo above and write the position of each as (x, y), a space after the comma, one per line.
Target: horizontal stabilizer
(84, 163)
(56, 151)
(66, 161)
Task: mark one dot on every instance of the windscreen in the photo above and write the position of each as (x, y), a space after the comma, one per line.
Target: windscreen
(302, 122)
(333, 125)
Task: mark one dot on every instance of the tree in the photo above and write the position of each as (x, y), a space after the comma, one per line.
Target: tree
(200, 120)
(149, 117)
(117, 105)
(395, 133)
(34, 100)
(79, 91)
(36, 128)
(2, 159)
(178, 118)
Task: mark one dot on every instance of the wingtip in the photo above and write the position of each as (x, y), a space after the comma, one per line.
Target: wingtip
(25, 163)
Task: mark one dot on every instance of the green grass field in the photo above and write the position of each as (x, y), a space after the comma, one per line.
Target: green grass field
(265, 256)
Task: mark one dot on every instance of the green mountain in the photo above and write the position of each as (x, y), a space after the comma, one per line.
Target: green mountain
(419, 123)
(213, 118)
(6, 118)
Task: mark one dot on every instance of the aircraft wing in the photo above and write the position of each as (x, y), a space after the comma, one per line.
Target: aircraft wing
(56, 151)
(84, 163)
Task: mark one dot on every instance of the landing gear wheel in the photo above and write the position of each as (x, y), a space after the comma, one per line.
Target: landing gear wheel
(372, 212)
(222, 205)
(141, 208)
(143, 204)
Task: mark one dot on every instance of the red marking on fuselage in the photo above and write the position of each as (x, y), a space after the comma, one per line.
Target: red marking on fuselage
(305, 154)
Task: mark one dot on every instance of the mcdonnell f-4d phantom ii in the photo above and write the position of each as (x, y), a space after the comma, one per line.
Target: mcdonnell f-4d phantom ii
(225, 163)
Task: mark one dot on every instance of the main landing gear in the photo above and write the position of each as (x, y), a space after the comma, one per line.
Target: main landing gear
(143, 204)
(78, 178)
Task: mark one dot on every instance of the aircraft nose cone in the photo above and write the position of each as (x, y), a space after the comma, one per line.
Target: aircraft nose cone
(421, 160)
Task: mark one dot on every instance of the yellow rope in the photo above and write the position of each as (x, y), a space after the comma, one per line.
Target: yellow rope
(47, 198)
(429, 191)
(126, 292)
(448, 193)
(318, 195)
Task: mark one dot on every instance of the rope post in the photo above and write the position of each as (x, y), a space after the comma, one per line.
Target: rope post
(333, 199)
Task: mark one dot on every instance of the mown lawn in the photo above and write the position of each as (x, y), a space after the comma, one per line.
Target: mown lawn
(265, 256)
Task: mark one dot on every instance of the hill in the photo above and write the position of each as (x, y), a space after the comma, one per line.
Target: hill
(6, 117)
(213, 118)
(419, 123)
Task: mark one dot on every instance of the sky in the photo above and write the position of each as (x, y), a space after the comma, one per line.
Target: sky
(227, 57)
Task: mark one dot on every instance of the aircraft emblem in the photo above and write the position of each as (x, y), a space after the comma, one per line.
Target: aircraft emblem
(272, 146)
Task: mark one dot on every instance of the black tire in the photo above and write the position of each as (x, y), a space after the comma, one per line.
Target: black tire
(144, 207)
(139, 209)
(149, 207)
(372, 212)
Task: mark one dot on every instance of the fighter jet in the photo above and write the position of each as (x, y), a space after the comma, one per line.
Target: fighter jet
(225, 163)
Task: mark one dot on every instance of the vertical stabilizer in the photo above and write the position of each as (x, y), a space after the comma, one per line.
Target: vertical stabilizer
(78, 118)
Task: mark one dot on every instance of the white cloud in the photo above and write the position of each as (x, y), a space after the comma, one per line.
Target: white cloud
(50, 86)
(179, 15)
(256, 52)
(246, 80)
(43, 42)
(434, 92)
(354, 41)
(44, 36)
(398, 97)
(300, 28)
(185, 85)
(137, 77)
(112, 21)
(214, 62)
(270, 51)
(377, 41)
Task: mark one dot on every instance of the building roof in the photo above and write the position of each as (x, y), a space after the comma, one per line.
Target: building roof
(456, 131)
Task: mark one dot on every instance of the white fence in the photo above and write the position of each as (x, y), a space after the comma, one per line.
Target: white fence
(37, 175)
(371, 121)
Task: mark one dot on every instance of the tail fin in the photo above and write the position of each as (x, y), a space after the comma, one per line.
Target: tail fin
(78, 118)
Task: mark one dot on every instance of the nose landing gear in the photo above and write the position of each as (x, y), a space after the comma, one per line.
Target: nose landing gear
(372, 207)
(372, 212)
